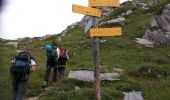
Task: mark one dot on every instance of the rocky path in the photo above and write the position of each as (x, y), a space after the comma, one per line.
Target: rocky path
(38, 96)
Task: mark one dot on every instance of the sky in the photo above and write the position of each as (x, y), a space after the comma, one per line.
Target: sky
(33, 18)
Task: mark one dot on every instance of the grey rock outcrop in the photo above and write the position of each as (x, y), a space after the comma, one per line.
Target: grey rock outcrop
(163, 20)
(159, 32)
(117, 21)
(157, 37)
(106, 10)
(142, 5)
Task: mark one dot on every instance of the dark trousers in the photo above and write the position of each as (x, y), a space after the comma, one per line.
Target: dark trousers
(48, 71)
(19, 90)
(60, 71)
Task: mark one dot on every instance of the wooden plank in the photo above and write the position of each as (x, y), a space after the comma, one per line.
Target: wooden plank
(117, 31)
(86, 10)
(104, 3)
(88, 25)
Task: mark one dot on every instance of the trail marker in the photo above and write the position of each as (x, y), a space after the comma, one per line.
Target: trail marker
(116, 31)
(95, 32)
(86, 10)
(103, 3)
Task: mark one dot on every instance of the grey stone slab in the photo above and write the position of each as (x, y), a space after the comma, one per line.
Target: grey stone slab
(89, 75)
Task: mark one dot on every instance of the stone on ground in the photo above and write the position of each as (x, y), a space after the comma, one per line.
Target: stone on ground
(86, 75)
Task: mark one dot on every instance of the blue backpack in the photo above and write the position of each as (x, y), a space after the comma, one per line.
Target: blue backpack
(21, 63)
(51, 53)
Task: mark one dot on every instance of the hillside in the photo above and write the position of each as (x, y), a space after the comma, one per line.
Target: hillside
(145, 69)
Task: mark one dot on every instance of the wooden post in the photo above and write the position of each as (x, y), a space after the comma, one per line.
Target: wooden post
(95, 45)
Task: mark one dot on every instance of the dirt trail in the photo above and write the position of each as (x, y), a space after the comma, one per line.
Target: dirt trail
(37, 97)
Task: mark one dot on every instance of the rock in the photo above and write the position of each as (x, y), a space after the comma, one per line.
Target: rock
(148, 2)
(157, 37)
(82, 42)
(163, 20)
(159, 32)
(15, 44)
(129, 12)
(134, 95)
(142, 5)
(102, 41)
(106, 11)
(154, 23)
(117, 21)
(89, 75)
(76, 88)
(117, 70)
(144, 42)
(120, 20)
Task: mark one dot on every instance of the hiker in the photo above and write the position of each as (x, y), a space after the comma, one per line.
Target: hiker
(22, 64)
(62, 62)
(53, 52)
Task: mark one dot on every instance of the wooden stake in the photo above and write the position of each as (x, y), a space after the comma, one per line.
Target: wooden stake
(95, 45)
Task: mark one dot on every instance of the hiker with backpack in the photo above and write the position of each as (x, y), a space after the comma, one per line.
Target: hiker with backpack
(22, 64)
(62, 62)
(52, 51)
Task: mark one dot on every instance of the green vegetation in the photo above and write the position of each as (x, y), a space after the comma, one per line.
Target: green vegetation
(145, 69)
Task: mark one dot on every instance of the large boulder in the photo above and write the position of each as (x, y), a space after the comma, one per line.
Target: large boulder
(159, 32)
(163, 20)
(157, 37)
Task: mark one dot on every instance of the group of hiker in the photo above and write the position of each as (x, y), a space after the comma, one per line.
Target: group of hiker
(24, 63)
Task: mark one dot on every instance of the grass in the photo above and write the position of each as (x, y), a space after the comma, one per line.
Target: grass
(6, 55)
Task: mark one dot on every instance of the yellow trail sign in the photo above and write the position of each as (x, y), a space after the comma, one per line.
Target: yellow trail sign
(86, 10)
(117, 31)
(102, 3)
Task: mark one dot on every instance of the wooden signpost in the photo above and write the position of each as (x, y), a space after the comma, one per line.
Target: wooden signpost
(86, 10)
(97, 32)
(104, 3)
(105, 31)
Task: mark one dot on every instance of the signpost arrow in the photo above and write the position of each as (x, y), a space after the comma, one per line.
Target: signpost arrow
(116, 31)
(103, 3)
(86, 10)
(88, 25)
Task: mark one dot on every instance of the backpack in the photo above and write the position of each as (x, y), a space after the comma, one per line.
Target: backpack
(52, 55)
(21, 63)
(63, 56)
